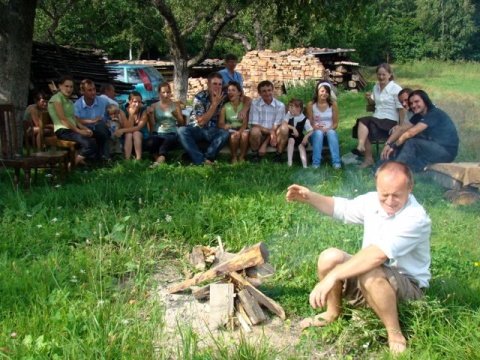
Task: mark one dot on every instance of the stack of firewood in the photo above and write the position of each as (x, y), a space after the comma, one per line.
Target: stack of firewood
(232, 291)
(278, 67)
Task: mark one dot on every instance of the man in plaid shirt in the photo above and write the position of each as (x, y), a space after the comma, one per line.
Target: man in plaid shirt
(266, 115)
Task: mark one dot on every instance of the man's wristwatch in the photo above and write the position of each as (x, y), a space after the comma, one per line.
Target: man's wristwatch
(388, 144)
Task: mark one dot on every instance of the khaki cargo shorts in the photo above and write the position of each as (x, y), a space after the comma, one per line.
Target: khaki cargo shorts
(406, 288)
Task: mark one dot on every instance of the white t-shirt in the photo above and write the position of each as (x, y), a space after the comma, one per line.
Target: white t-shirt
(403, 237)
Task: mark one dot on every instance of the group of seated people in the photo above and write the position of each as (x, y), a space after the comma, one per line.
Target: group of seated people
(222, 114)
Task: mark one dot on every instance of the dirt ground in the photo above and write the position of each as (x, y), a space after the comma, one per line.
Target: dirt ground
(183, 311)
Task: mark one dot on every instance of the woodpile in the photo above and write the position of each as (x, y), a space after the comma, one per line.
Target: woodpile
(232, 288)
(278, 67)
(49, 62)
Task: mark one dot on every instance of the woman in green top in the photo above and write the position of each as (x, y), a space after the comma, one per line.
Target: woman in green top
(33, 114)
(230, 121)
(65, 123)
(163, 117)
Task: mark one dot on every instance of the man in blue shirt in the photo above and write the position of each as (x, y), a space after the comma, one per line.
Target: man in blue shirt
(229, 73)
(90, 111)
(203, 126)
(429, 137)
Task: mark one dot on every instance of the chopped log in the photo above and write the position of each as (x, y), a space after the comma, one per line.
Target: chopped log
(221, 304)
(355, 77)
(243, 322)
(197, 258)
(252, 256)
(202, 292)
(260, 271)
(262, 299)
(241, 310)
(252, 308)
(352, 84)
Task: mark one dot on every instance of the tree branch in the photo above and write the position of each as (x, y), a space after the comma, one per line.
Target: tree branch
(212, 35)
(207, 17)
(174, 37)
(237, 36)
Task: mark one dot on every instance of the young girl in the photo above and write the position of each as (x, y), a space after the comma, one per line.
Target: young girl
(297, 125)
(115, 121)
(33, 114)
(134, 128)
(323, 113)
(229, 120)
(163, 116)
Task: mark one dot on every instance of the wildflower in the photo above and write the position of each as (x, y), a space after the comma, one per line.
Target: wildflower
(82, 271)
(168, 218)
(355, 190)
(48, 175)
(73, 279)
(54, 220)
(57, 234)
(39, 226)
(476, 264)
(366, 345)
(124, 322)
(13, 335)
(59, 207)
(57, 186)
(29, 215)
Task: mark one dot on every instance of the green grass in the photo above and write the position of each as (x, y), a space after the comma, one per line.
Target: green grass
(77, 261)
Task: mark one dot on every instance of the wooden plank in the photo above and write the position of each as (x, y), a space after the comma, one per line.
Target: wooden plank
(262, 299)
(252, 256)
(221, 304)
(251, 306)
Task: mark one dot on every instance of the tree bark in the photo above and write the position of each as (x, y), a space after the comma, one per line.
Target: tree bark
(16, 34)
(180, 79)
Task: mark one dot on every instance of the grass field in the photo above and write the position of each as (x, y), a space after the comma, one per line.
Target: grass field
(77, 262)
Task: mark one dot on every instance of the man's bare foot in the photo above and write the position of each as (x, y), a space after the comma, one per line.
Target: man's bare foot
(397, 347)
(208, 162)
(233, 160)
(319, 320)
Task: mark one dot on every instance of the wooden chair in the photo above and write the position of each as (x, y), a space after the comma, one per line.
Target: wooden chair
(52, 160)
(54, 142)
(12, 151)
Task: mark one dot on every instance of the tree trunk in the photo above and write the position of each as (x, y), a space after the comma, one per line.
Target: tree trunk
(180, 79)
(16, 34)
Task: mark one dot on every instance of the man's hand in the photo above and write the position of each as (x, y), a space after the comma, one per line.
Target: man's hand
(118, 133)
(386, 152)
(217, 97)
(318, 296)
(295, 132)
(273, 139)
(298, 193)
(242, 115)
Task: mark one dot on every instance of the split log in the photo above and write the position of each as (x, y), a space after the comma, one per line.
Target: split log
(197, 258)
(243, 322)
(352, 84)
(262, 299)
(251, 306)
(252, 256)
(221, 304)
(241, 310)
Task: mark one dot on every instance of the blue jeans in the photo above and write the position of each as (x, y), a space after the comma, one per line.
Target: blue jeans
(417, 153)
(87, 147)
(316, 139)
(190, 136)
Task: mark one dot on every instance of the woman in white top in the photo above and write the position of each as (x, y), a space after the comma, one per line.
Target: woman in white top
(322, 112)
(388, 111)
